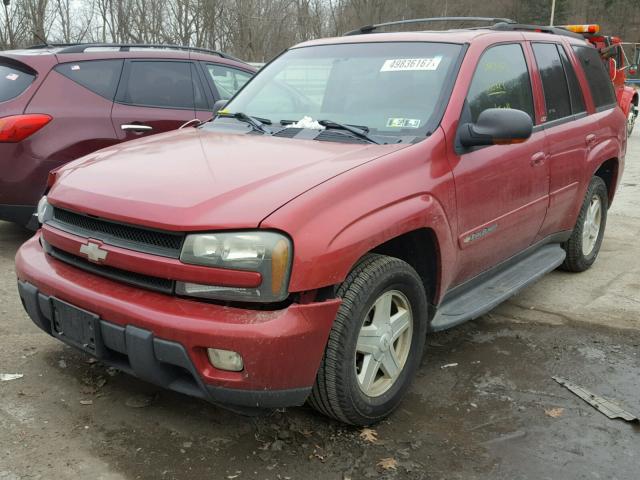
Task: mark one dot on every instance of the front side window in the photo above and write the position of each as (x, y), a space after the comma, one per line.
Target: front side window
(99, 76)
(227, 80)
(388, 88)
(501, 80)
(158, 84)
(554, 81)
(597, 77)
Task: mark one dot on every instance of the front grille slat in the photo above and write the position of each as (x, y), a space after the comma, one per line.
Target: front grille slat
(157, 284)
(156, 242)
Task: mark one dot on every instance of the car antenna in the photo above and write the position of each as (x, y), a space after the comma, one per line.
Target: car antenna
(44, 42)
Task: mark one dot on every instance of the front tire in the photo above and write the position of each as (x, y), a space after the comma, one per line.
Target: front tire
(375, 344)
(584, 244)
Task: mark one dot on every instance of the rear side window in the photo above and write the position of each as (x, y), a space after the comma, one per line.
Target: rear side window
(554, 81)
(227, 80)
(13, 81)
(99, 76)
(501, 80)
(158, 84)
(597, 77)
(575, 90)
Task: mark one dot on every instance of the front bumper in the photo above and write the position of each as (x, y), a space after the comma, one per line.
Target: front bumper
(163, 339)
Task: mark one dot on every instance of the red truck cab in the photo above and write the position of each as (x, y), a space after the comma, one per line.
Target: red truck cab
(358, 193)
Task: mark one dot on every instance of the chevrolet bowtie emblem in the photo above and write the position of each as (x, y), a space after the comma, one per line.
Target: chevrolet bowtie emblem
(93, 252)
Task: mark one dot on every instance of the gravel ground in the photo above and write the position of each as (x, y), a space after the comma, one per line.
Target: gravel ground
(484, 404)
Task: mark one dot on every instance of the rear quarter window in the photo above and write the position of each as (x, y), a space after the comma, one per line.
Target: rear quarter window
(13, 81)
(99, 76)
(597, 77)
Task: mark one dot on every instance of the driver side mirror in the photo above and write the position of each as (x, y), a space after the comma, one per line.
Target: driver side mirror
(219, 105)
(497, 126)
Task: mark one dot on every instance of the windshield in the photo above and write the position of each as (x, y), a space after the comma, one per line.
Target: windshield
(391, 89)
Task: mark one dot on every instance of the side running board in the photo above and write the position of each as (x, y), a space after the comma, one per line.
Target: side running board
(475, 301)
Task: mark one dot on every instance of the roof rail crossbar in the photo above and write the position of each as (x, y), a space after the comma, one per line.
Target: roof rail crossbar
(372, 28)
(126, 47)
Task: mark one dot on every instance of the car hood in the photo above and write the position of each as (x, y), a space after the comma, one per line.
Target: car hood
(195, 179)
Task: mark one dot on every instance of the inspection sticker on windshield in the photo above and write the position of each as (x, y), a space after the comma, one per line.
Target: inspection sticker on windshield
(411, 64)
(403, 123)
(12, 76)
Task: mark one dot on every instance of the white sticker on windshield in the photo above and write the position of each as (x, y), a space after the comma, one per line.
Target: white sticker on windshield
(403, 122)
(411, 64)
(75, 67)
(12, 76)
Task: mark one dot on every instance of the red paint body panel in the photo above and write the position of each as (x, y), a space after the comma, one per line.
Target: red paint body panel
(290, 340)
(378, 202)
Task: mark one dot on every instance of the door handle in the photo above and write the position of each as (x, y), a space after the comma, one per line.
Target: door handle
(136, 127)
(591, 140)
(538, 159)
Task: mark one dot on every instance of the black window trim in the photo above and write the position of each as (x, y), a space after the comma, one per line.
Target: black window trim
(202, 84)
(575, 74)
(566, 118)
(126, 71)
(206, 87)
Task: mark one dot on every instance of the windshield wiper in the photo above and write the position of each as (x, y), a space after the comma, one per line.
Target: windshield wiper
(256, 122)
(360, 132)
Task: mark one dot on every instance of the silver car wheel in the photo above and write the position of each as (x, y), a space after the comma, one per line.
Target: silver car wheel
(592, 225)
(384, 343)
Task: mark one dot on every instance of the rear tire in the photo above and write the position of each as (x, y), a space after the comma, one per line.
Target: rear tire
(584, 244)
(375, 344)
(631, 119)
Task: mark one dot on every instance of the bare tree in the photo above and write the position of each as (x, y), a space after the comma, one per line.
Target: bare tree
(259, 29)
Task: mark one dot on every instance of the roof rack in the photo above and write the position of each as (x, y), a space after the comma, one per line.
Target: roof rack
(50, 45)
(372, 28)
(126, 47)
(535, 28)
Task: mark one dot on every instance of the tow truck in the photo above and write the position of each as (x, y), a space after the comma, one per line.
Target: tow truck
(620, 69)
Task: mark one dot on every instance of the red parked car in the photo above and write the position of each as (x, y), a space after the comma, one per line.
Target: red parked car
(357, 194)
(60, 103)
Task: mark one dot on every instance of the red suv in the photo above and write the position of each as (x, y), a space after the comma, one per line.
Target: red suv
(356, 194)
(60, 103)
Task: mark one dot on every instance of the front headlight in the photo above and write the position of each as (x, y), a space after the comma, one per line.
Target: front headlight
(44, 210)
(268, 253)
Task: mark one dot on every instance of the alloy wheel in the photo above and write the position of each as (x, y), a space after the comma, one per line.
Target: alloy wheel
(384, 343)
(592, 224)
